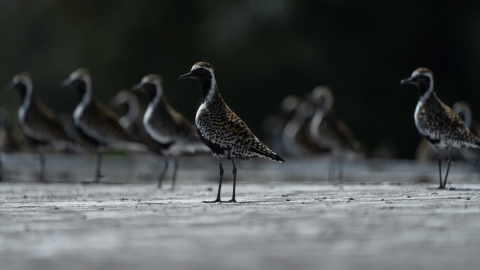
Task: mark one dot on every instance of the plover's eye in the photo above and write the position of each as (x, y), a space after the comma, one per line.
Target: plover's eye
(201, 70)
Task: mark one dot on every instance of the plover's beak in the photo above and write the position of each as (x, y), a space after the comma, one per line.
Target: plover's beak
(66, 83)
(137, 87)
(186, 76)
(406, 81)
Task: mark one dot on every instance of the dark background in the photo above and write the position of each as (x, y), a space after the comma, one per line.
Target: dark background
(262, 50)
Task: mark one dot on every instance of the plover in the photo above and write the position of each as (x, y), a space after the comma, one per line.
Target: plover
(221, 129)
(297, 140)
(436, 122)
(37, 122)
(171, 130)
(131, 119)
(331, 133)
(95, 122)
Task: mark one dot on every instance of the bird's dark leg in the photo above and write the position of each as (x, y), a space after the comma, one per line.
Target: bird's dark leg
(175, 168)
(165, 160)
(98, 174)
(42, 163)
(331, 169)
(234, 181)
(439, 167)
(340, 169)
(448, 167)
(219, 184)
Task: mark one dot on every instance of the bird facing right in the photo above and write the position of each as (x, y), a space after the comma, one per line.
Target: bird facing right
(221, 129)
(436, 122)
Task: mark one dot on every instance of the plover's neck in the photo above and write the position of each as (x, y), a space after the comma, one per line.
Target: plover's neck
(85, 91)
(85, 95)
(425, 90)
(209, 89)
(26, 94)
(156, 96)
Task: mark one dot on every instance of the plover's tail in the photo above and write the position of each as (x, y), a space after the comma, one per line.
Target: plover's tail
(266, 153)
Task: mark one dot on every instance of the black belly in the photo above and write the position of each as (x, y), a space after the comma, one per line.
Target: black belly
(432, 140)
(216, 149)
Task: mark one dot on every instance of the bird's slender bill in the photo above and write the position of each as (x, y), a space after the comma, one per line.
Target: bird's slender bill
(137, 87)
(66, 83)
(406, 81)
(185, 76)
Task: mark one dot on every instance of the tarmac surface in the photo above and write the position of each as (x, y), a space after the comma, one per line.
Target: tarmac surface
(284, 220)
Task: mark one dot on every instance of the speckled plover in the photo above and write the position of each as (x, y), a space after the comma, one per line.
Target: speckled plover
(171, 130)
(95, 122)
(221, 129)
(38, 123)
(436, 122)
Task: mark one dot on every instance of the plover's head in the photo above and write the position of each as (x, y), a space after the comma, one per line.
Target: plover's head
(289, 104)
(322, 97)
(21, 82)
(422, 78)
(151, 84)
(201, 71)
(124, 100)
(79, 79)
(204, 74)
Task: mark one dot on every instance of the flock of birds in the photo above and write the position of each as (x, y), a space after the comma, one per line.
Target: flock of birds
(311, 130)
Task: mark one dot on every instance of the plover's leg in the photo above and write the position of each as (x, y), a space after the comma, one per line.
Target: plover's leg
(219, 184)
(98, 175)
(439, 167)
(340, 169)
(175, 168)
(331, 169)
(165, 167)
(234, 181)
(448, 168)
(42, 163)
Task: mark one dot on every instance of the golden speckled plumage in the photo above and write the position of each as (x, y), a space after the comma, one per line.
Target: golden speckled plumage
(221, 129)
(441, 125)
(227, 135)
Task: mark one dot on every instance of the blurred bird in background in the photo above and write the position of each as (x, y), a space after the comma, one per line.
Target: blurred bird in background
(38, 123)
(174, 134)
(95, 122)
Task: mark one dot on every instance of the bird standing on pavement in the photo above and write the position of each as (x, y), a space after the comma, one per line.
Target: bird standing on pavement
(37, 122)
(329, 132)
(174, 134)
(95, 122)
(436, 122)
(221, 129)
